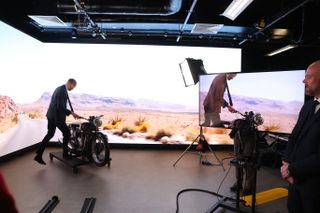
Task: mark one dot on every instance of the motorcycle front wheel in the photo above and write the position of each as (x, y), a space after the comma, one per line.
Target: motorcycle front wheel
(100, 152)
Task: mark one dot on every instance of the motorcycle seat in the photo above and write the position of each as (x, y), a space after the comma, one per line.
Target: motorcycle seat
(74, 125)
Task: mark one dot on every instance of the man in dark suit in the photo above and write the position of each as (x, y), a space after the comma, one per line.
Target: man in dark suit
(214, 100)
(56, 116)
(301, 165)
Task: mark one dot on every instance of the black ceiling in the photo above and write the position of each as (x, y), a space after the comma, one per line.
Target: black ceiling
(265, 24)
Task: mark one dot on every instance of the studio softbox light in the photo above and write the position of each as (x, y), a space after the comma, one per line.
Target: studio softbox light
(190, 70)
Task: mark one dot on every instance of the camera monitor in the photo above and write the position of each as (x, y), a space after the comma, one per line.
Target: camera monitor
(278, 96)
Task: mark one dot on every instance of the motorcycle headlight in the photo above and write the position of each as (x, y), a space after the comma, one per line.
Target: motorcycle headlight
(97, 122)
(258, 119)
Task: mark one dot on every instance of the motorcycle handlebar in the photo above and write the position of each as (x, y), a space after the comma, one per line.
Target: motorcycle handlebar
(81, 117)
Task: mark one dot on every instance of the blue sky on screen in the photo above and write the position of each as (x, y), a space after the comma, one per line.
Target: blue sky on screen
(29, 68)
(276, 85)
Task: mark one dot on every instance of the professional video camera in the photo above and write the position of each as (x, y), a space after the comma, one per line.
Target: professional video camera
(249, 122)
(244, 132)
(268, 148)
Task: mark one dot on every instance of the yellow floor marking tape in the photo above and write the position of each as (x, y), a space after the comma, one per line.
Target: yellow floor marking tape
(266, 196)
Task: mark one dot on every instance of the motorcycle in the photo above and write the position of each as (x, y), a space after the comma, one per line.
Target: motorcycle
(87, 141)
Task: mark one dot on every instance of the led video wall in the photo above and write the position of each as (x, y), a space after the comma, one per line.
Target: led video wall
(138, 89)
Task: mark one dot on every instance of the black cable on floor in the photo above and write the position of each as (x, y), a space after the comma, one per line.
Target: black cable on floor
(234, 197)
(224, 178)
(202, 190)
(191, 190)
(223, 159)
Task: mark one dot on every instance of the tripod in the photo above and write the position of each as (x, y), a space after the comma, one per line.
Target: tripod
(200, 153)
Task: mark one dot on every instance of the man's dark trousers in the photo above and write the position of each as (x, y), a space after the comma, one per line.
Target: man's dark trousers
(304, 198)
(52, 125)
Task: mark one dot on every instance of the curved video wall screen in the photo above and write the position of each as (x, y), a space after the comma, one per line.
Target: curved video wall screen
(138, 89)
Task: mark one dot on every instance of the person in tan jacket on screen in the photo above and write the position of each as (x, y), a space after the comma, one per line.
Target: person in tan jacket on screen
(214, 100)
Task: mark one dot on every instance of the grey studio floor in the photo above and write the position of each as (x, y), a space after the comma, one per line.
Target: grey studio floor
(138, 181)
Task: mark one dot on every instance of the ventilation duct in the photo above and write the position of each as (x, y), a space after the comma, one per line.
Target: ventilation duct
(125, 7)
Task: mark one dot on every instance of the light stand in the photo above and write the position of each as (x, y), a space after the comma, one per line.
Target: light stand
(200, 153)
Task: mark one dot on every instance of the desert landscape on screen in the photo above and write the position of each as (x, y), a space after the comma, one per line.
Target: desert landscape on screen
(152, 122)
(279, 116)
(136, 121)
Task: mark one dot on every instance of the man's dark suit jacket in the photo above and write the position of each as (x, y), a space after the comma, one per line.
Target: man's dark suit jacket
(58, 106)
(303, 149)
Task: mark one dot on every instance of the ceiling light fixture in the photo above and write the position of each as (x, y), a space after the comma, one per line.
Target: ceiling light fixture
(199, 28)
(282, 49)
(48, 21)
(235, 8)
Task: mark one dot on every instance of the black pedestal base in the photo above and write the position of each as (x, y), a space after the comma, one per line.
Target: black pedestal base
(222, 203)
(73, 162)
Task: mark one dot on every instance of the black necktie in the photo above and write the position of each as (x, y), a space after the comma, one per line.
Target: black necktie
(71, 108)
(229, 95)
(315, 103)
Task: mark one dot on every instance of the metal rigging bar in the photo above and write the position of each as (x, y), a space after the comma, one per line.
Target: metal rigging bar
(278, 18)
(93, 25)
(187, 19)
